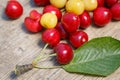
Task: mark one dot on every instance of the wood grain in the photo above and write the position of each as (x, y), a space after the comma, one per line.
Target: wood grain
(18, 46)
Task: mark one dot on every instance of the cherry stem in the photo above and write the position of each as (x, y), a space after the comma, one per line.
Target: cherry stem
(52, 67)
(47, 56)
(37, 59)
(62, 10)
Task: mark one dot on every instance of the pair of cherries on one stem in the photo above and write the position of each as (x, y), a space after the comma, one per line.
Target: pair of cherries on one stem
(63, 51)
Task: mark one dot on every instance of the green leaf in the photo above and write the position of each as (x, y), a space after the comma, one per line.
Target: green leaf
(99, 56)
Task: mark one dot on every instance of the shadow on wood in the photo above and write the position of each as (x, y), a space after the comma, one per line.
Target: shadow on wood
(4, 16)
(13, 76)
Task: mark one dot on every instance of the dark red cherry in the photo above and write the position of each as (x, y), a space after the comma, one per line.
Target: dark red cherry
(51, 37)
(85, 20)
(54, 10)
(102, 16)
(32, 25)
(71, 22)
(61, 30)
(115, 10)
(78, 38)
(110, 3)
(42, 2)
(101, 3)
(64, 53)
(13, 9)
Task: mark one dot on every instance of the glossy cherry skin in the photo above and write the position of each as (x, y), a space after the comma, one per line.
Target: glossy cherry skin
(110, 3)
(51, 37)
(64, 53)
(41, 2)
(35, 15)
(102, 16)
(115, 10)
(71, 22)
(78, 38)
(101, 3)
(13, 9)
(32, 25)
(63, 33)
(85, 20)
(54, 10)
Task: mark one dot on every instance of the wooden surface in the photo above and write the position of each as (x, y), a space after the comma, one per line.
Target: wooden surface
(18, 46)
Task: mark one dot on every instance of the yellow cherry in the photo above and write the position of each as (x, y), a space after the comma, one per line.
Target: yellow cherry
(75, 6)
(48, 20)
(58, 3)
(90, 5)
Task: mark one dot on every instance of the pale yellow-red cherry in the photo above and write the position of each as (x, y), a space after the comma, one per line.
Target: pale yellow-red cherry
(58, 3)
(75, 6)
(48, 20)
(90, 5)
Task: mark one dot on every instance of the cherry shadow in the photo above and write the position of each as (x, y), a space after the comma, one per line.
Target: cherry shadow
(41, 44)
(13, 76)
(24, 29)
(4, 16)
(32, 4)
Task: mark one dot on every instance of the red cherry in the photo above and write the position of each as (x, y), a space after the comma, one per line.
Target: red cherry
(102, 16)
(51, 36)
(115, 10)
(100, 3)
(85, 20)
(54, 10)
(35, 15)
(78, 38)
(71, 22)
(61, 30)
(32, 25)
(41, 2)
(13, 9)
(64, 53)
(110, 3)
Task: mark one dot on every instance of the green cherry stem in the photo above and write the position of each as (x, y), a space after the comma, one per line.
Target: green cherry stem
(49, 67)
(20, 69)
(37, 59)
(47, 56)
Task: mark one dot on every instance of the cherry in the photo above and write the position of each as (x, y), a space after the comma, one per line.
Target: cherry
(32, 22)
(115, 9)
(48, 20)
(78, 38)
(70, 21)
(32, 25)
(41, 2)
(58, 3)
(76, 6)
(63, 33)
(102, 16)
(35, 15)
(90, 5)
(13, 9)
(85, 20)
(54, 10)
(64, 53)
(110, 3)
(51, 37)
(100, 3)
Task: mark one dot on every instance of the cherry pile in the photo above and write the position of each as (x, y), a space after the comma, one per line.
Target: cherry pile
(65, 20)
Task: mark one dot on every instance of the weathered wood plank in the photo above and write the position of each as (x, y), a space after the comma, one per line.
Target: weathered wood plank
(18, 46)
